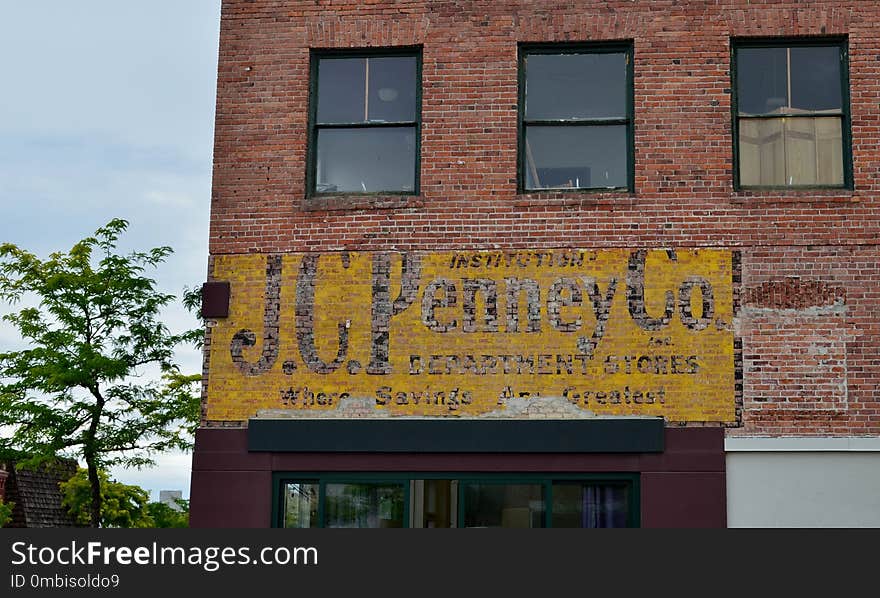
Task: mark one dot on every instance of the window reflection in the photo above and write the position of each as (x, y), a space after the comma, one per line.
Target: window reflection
(301, 505)
(369, 505)
(563, 86)
(360, 90)
(366, 160)
(788, 79)
(341, 90)
(575, 157)
(454, 502)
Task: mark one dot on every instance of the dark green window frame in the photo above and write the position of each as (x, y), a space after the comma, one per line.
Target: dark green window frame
(547, 481)
(314, 126)
(628, 120)
(845, 112)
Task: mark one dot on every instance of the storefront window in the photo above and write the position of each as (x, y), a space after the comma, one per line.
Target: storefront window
(590, 505)
(301, 505)
(503, 505)
(463, 500)
(364, 505)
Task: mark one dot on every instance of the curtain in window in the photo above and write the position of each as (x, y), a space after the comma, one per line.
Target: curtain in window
(791, 151)
(604, 506)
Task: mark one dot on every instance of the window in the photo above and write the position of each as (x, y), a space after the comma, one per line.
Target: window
(364, 504)
(791, 114)
(503, 504)
(301, 504)
(467, 500)
(591, 504)
(364, 124)
(576, 117)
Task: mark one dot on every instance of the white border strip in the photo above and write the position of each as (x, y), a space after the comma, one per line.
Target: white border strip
(802, 444)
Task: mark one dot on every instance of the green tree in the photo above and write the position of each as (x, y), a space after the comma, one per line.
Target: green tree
(5, 512)
(122, 505)
(164, 515)
(88, 385)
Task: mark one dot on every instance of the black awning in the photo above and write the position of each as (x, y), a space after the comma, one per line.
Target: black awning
(603, 435)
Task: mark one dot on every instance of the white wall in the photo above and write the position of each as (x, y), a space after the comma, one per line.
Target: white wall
(784, 482)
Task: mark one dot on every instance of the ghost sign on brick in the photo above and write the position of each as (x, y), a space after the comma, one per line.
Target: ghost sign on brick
(615, 331)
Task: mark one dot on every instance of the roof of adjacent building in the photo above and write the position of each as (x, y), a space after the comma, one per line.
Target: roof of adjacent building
(36, 494)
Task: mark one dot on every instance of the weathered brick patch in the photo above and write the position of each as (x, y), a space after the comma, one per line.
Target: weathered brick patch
(793, 293)
(809, 329)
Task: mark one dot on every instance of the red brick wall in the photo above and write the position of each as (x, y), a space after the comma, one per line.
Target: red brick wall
(810, 297)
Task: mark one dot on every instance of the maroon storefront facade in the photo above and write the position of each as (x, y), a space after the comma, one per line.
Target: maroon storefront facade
(684, 486)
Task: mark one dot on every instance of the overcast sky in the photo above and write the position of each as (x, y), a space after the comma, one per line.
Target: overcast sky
(107, 111)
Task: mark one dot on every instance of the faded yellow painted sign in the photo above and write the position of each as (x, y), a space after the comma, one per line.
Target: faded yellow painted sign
(626, 332)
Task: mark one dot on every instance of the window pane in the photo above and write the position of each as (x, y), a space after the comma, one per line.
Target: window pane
(761, 80)
(438, 503)
(579, 157)
(366, 160)
(590, 505)
(364, 505)
(813, 151)
(301, 505)
(503, 505)
(560, 86)
(791, 151)
(761, 152)
(393, 88)
(341, 90)
(815, 78)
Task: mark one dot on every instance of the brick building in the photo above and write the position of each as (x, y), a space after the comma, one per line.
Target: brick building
(482, 263)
